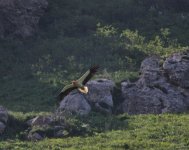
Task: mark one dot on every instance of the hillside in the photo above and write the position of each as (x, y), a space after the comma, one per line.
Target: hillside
(71, 36)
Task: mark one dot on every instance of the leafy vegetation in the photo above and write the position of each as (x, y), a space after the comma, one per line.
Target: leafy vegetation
(72, 36)
(117, 34)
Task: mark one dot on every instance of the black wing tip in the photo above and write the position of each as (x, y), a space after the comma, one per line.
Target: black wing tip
(94, 68)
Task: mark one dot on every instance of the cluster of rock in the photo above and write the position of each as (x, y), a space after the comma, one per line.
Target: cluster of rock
(57, 125)
(3, 119)
(39, 122)
(163, 86)
(19, 18)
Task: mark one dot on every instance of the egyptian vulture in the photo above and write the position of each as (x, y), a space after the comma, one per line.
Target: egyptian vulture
(78, 84)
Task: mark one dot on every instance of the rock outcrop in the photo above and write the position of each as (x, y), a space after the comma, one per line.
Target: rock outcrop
(99, 98)
(3, 118)
(161, 88)
(39, 127)
(40, 121)
(19, 18)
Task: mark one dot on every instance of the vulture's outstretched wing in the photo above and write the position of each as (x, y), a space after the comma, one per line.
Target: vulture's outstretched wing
(88, 75)
(65, 91)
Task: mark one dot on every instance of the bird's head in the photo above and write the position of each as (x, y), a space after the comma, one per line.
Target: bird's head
(74, 82)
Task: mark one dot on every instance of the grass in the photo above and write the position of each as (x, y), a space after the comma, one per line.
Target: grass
(27, 98)
(157, 132)
(32, 71)
(27, 95)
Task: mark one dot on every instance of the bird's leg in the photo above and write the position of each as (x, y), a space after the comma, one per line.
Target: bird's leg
(83, 89)
(80, 87)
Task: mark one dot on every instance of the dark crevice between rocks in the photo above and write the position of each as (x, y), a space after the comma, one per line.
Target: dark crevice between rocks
(185, 57)
(100, 81)
(162, 106)
(104, 109)
(183, 94)
(104, 105)
(185, 97)
(117, 99)
(95, 107)
(163, 89)
(166, 75)
(186, 88)
(99, 107)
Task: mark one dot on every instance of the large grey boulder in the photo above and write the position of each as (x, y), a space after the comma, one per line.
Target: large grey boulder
(19, 18)
(75, 103)
(100, 95)
(177, 69)
(154, 92)
(3, 118)
(98, 98)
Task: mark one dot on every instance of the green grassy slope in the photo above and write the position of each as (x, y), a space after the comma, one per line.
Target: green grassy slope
(158, 132)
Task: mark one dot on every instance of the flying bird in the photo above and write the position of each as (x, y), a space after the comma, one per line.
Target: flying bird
(78, 84)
